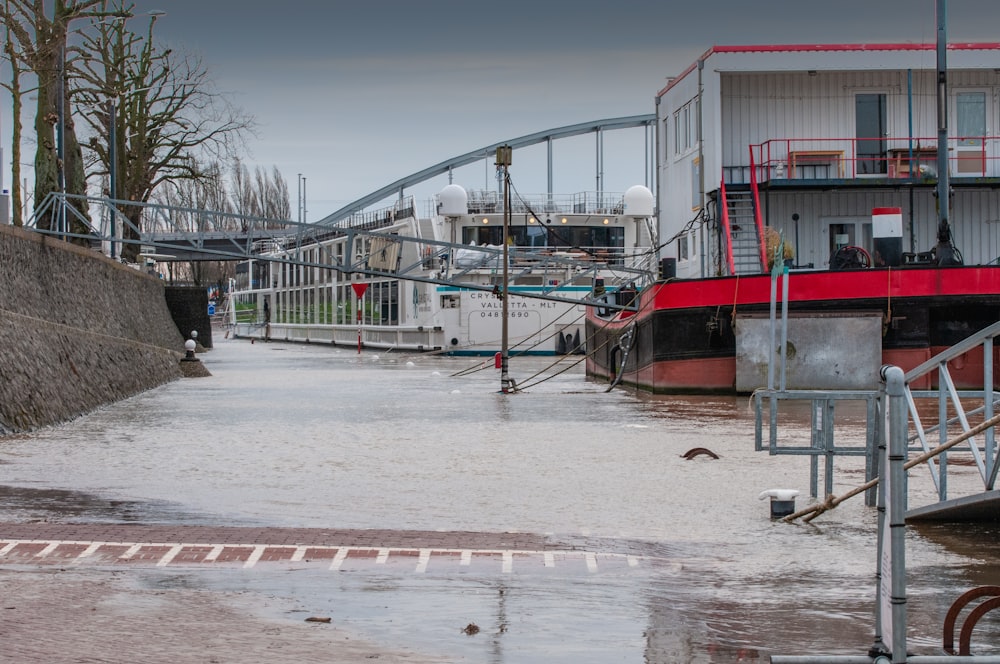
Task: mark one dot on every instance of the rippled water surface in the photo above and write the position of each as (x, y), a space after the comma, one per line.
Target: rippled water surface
(314, 436)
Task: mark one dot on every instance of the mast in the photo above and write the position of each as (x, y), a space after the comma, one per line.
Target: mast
(503, 162)
(945, 250)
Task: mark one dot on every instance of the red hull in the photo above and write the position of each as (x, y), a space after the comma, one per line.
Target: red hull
(668, 357)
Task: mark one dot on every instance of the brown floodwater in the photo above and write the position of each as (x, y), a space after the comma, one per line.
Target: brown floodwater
(309, 435)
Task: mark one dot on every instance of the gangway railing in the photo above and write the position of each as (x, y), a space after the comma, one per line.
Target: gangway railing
(822, 404)
(984, 454)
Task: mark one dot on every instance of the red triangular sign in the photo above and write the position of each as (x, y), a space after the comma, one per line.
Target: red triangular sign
(359, 289)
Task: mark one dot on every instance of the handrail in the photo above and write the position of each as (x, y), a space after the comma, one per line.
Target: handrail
(758, 219)
(911, 158)
(947, 395)
(730, 262)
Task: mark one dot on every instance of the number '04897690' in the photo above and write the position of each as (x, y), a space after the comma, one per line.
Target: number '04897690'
(498, 314)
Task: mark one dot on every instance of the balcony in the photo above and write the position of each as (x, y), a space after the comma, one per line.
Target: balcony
(804, 162)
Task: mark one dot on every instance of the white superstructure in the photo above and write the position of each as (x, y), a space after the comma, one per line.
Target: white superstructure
(402, 281)
(810, 138)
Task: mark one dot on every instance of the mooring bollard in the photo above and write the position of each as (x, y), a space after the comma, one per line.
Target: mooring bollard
(782, 501)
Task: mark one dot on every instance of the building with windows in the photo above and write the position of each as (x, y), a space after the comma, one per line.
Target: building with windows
(809, 139)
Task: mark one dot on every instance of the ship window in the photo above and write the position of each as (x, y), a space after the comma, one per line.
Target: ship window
(697, 120)
(382, 303)
(870, 129)
(552, 237)
(666, 137)
(687, 126)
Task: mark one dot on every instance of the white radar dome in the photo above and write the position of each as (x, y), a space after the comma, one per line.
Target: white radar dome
(454, 201)
(638, 202)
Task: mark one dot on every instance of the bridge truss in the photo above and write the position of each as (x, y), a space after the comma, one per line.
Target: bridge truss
(173, 233)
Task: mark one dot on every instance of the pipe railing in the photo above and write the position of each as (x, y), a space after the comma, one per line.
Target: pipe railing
(824, 158)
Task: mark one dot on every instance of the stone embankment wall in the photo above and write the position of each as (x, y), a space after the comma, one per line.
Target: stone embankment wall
(77, 331)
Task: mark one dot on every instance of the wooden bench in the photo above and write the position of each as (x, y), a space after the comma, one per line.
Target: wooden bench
(814, 157)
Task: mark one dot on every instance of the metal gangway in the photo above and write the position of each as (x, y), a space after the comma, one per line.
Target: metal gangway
(958, 413)
(901, 423)
(890, 643)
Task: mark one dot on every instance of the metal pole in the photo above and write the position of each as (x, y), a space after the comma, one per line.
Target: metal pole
(881, 585)
(945, 249)
(989, 435)
(548, 163)
(784, 321)
(504, 161)
(60, 140)
(113, 166)
(773, 335)
(896, 501)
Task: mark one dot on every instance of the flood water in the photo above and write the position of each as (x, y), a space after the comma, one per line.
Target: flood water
(300, 435)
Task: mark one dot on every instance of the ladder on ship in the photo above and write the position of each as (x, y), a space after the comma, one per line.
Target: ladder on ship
(743, 232)
(743, 235)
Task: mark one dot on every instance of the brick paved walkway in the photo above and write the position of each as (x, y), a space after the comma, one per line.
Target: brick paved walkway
(73, 592)
(162, 546)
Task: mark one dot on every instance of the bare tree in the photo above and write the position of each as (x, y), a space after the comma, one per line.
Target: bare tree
(275, 203)
(242, 197)
(41, 41)
(166, 114)
(13, 54)
(265, 195)
(245, 200)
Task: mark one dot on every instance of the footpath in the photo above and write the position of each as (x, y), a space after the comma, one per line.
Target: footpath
(95, 592)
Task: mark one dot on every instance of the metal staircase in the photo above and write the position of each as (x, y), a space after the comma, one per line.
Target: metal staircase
(742, 232)
(743, 236)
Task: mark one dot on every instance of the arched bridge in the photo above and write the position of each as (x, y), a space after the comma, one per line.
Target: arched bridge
(597, 127)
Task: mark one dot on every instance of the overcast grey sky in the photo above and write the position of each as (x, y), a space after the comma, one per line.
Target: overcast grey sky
(354, 94)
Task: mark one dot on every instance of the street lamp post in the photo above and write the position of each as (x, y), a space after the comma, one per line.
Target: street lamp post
(113, 166)
(60, 139)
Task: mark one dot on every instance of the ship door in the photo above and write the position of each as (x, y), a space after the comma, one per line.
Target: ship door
(971, 111)
(870, 131)
(837, 232)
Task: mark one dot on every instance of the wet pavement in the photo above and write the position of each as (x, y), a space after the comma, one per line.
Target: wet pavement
(207, 519)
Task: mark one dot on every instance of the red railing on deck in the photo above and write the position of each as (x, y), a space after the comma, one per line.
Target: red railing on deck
(850, 158)
(758, 218)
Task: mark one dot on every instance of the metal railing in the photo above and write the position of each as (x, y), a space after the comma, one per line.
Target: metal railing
(911, 158)
(953, 409)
